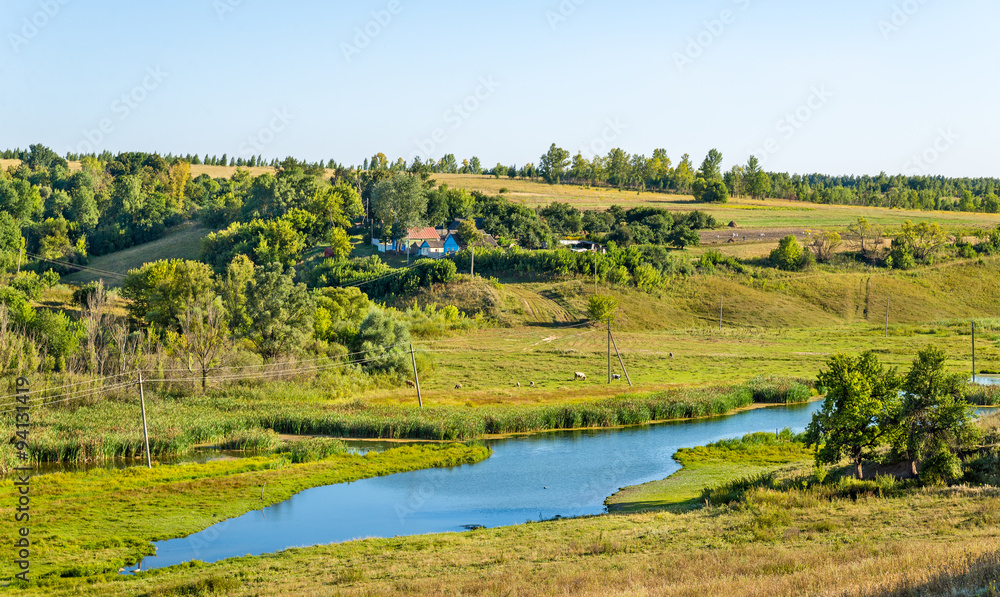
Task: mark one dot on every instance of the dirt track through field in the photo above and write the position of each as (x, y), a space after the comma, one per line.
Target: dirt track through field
(752, 235)
(541, 309)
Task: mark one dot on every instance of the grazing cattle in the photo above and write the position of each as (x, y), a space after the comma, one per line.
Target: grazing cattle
(410, 384)
(671, 355)
(532, 384)
(580, 376)
(458, 386)
(518, 384)
(616, 376)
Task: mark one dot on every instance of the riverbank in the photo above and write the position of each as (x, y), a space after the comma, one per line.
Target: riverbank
(95, 523)
(945, 541)
(712, 465)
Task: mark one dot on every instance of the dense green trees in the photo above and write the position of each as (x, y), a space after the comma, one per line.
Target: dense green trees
(923, 416)
(708, 185)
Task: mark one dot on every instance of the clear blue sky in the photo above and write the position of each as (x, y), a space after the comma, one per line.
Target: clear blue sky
(869, 85)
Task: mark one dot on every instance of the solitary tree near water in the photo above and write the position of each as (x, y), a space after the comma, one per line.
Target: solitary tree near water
(857, 414)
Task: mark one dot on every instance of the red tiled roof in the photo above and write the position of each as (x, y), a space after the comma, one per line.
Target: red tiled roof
(422, 234)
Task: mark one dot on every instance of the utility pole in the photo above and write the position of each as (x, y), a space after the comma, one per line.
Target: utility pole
(609, 351)
(720, 313)
(621, 362)
(973, 351)
(595, 271)
(416, 378)
(472, 270)
(145, 431)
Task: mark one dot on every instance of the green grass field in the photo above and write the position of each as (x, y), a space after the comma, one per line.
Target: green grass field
(747, 213)
(182, 242)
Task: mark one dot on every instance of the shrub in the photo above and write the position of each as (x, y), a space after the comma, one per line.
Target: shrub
(317, 448)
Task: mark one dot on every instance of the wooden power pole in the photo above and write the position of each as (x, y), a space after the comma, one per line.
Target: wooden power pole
(621, 362)
(609, 350)
(145, 431)
(973, 351)
(416, 378)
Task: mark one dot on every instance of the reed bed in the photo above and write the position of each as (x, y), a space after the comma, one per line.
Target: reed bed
(249, 418)
(317, 448)
(982, 395)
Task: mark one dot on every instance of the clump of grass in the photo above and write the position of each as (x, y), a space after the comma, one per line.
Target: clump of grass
(983, 395)
(251, 440)
(313, 449)
(778, 390)
(213, 585)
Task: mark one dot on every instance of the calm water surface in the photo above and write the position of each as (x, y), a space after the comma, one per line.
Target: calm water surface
(527, 478)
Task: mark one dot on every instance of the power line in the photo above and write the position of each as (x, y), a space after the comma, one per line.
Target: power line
(82, 268)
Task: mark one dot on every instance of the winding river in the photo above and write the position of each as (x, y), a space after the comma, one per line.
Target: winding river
(534, 477)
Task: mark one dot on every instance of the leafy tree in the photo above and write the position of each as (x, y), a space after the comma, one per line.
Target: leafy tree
(552, 165)
(203, 338)
(602, 308)
(789, 254)
(824, 244)
(856, 416)
(400, 203)
(280, 312)
(756, 182)
(867, 238)
(381, 344)
(20, 199)
(708, 185)
(11, 241)
(683, 175)
(468, 234)
(40, 156)
(233, 291)
(933, 415)
(160, 292)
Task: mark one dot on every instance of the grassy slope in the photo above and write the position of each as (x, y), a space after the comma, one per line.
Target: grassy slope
(706, 466)
(139, 505)
(182, 242)
(790, 330)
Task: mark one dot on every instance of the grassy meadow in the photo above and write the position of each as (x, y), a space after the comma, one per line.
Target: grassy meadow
(515, 374)
(844, 538)
(94, 523)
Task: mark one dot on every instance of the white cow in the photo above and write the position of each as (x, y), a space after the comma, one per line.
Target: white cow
(581, 376)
